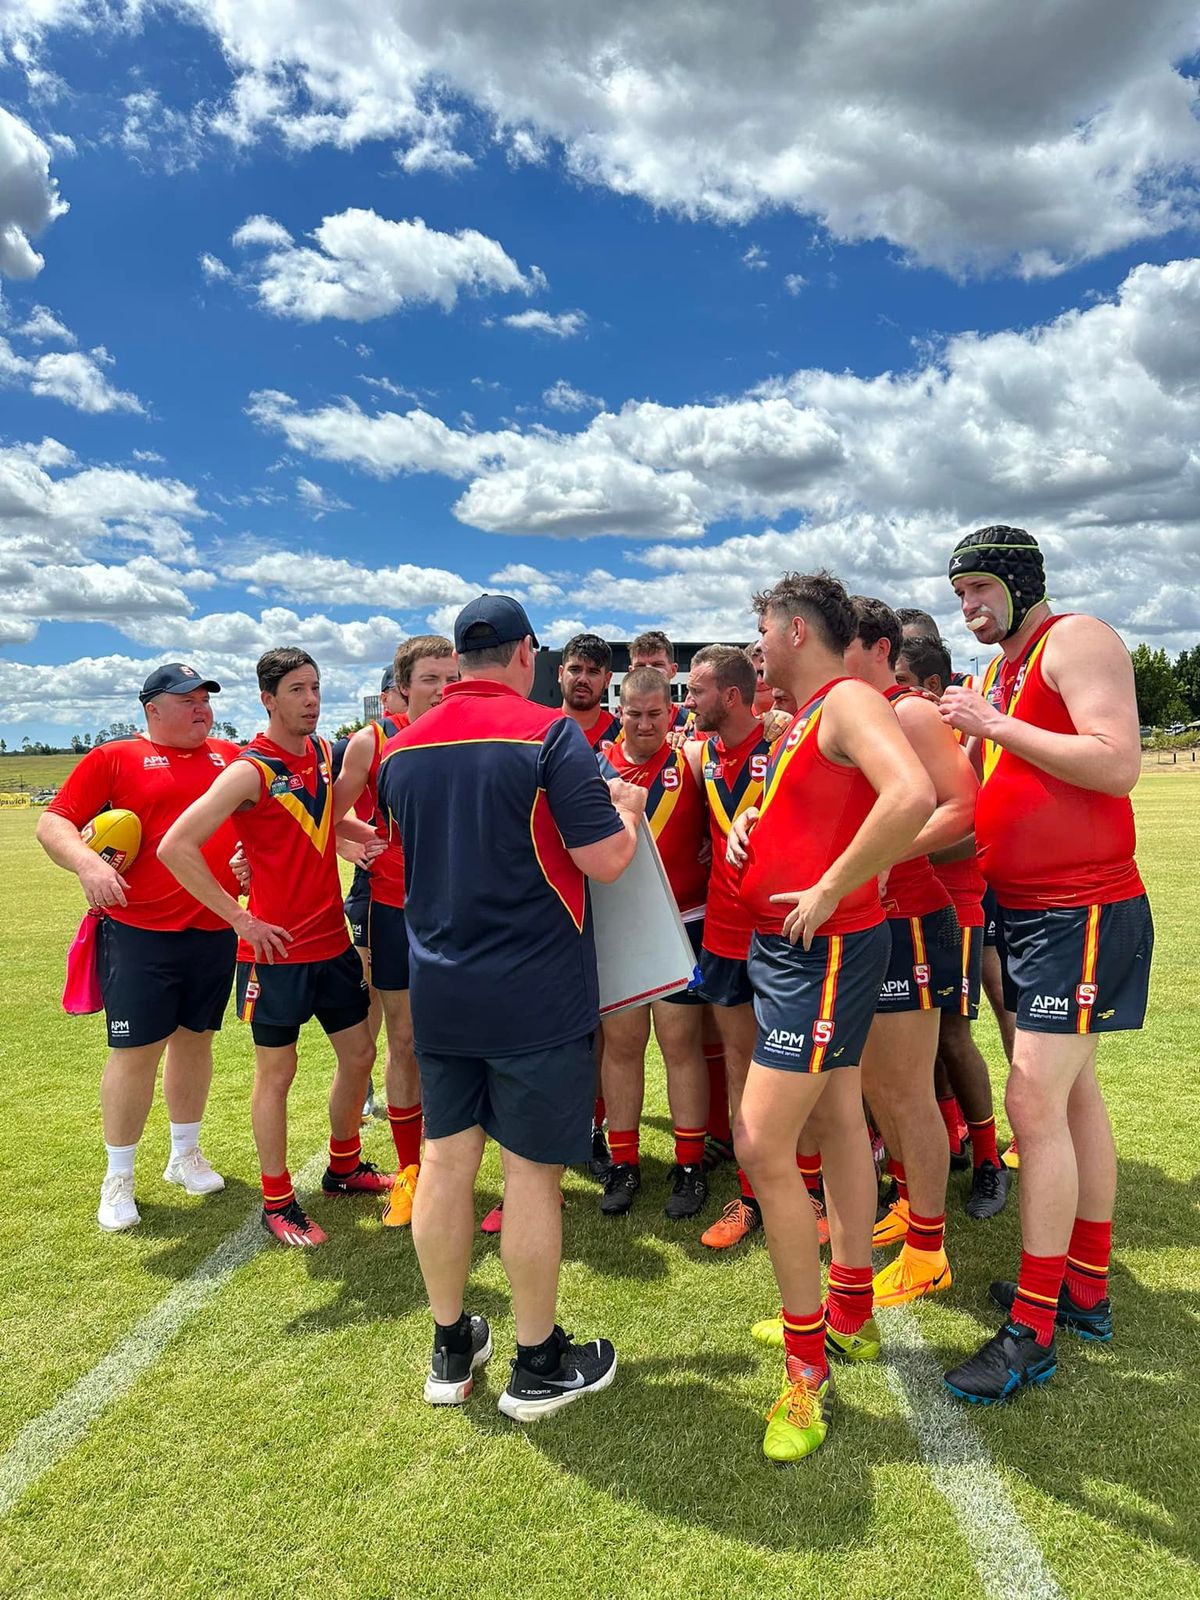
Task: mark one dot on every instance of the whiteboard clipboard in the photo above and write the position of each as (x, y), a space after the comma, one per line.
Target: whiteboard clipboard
(643, 952)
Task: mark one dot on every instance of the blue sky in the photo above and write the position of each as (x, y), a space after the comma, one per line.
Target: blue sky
(785, 295)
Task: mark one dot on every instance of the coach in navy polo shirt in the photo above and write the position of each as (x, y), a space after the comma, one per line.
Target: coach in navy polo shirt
(503, 816)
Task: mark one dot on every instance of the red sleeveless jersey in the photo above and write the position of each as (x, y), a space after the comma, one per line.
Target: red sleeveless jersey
(386, 872)
(733, 782)
(290, 845)
(964, 883)
(811, 810)
(1043, 842)
(675, 811)
(913, 889)
(605, 730)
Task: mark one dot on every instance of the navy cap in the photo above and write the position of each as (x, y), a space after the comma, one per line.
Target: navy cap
(503, 618)
(175, 678)
(388, 681)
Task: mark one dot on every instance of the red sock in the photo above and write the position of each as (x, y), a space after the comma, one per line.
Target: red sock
(925, 1233)
(344, 1154)
(745, 1186)
(406, 1125)
(810, 1170)
(1087, 1262)
(624, 1147)
(983, 1142)
(1038, 1283)
(949, 1110)
(895, 1170)
(804, 1340)
(849, 1297)
(278, 1193)
(599, 1111)
(718, 1094)
(689, 1146)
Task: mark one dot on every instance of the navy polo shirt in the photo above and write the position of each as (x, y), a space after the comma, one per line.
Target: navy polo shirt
(489, 792)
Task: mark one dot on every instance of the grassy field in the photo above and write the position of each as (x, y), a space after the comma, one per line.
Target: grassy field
(22, 773)
(279, 1446)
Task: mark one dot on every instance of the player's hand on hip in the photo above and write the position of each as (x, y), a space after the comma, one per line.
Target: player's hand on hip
(810, 909)
(102, 884)
(627, 797)
(967, 710)
(268, 942)
(739, 836)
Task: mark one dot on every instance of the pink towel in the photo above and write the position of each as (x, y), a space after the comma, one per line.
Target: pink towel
(81, 993)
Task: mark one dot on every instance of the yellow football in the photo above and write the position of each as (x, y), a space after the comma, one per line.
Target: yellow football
(115, 836)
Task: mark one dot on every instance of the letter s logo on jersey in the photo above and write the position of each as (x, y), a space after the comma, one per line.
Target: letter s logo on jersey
(670, 778)
(822, 1030)
(1085, 994)
(758, 768)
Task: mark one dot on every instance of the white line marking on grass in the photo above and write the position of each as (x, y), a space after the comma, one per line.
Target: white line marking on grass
(46, 1439)
(1002, 1549)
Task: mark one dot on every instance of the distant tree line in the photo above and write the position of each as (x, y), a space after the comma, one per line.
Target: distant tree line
(82, 742)
(1168, 692)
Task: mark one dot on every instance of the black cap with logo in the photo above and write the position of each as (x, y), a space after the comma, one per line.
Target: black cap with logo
(175, 678)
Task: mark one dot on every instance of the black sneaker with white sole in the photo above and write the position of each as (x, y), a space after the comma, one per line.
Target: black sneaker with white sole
(600, 1159)
(452, 1372)
(582, 1369)
(689, 1191)
(621, 1182)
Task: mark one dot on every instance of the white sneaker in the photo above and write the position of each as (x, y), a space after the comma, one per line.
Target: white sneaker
(193, 1173)
(117, 1209)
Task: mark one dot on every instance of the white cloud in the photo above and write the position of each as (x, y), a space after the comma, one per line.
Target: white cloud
(795, 282)
(366, 266)
(968, 135)
(318, 502)
(559, 325)
(310, 576)
(214, 269)
(74, 377)
(755, 258)
(43, 327)
(148, 455)
(29, 197)
(564, 396)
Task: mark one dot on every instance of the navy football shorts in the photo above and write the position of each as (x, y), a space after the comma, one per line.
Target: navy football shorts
(925, 969)
(277, 998)
(1079, 969)
(154, 982)
(723, 981)
(388, 938)
(538, 1105)
(814, 1008)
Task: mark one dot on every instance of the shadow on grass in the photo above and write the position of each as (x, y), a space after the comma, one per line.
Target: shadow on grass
(187, 1229)
(679, 1437)
(1113, 1434)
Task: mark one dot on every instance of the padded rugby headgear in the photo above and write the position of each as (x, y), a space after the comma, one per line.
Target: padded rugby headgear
(1010, 556)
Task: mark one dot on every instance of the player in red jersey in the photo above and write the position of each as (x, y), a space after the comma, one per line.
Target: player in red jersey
(654, 649)
(1060, 753)
(924, 664)
(295, 960)
(845, 797)
(677, 816)
(584, 675)
(924, 977)
(422, 669)
(731, 761)
(165, 964)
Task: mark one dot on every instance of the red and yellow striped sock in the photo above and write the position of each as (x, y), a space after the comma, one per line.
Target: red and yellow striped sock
(804, 1339)
(983, 1142)
(407, 1125)
(689, 1146)
(625, 1147)
(344, 1155)
(277, 1190)
(949, 1111)
(746, 1186)
(848, 1298)
(810, 1170)
(925, 1233)
(1038, 1283)
(896, 1170)
(718, 1094)
(1087, 1262)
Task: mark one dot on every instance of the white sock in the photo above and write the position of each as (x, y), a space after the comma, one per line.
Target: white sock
(185, 1136)
(120, 1160)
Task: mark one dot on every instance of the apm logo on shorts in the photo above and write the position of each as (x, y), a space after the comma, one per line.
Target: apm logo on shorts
(1049, 1005)
(895, 989)
(119, 1026)
(784, 1039)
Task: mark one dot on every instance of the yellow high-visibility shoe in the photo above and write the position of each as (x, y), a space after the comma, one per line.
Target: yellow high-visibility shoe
(892, 1226)
(799, 1420)
(398, 1213)
(911, 1276)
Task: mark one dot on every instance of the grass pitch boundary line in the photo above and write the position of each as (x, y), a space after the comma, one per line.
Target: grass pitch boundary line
(1003, 1551)
(47, 1438)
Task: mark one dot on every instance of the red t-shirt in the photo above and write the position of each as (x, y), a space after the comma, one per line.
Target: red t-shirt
(913, 888)
(964, 883)
(733, 782)
(811, 810)
(386, 872)
(1044, 842)
(675, 811)
(157, 782)
(292, 850)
